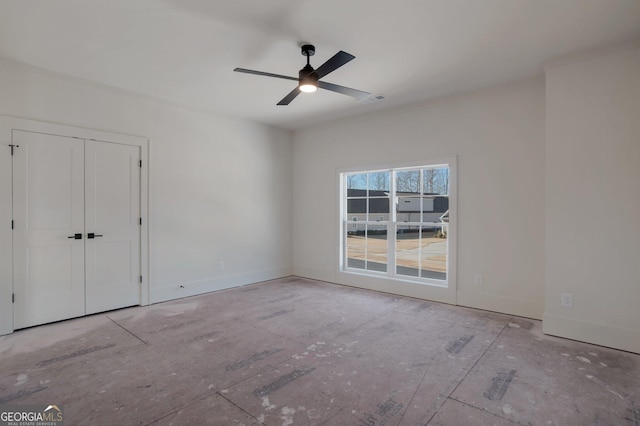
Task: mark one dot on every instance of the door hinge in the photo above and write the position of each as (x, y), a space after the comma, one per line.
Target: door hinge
(12, 224)
(12, 147)
(13, 298)
(140, 278)
(140, 163)
(140, 221)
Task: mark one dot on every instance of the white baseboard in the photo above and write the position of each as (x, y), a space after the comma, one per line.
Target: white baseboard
(599, 334)
(400, 287)
(505, 305)
(315, 274)
(193, 288)
(384, 285)
(509, 306)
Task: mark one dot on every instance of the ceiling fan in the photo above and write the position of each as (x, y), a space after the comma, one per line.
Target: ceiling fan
(309, 78)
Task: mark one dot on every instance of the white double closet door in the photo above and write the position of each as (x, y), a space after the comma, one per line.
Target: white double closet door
(76, 239)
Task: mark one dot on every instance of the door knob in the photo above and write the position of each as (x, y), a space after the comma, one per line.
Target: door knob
(76, 236)
(91, 235)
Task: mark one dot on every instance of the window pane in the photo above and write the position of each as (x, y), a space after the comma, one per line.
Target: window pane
(407, 250)
(378, 183)
(355, 228)
(378, 209)
(377, 248)
(433, 252)
(435, 180)
(408, 208)
(408, 182)
(355, 246)
(435, 208)
(356, 209)
(435, 185)
(356, 181)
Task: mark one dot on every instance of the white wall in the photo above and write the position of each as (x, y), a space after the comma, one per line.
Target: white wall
(220, 188)
(593, 199)
(498, 137)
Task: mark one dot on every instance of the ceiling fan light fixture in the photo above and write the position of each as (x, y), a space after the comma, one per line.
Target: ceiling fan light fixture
(308, 80)
(308, 87)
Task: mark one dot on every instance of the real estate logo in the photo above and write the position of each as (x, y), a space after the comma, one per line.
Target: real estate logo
(31, 415)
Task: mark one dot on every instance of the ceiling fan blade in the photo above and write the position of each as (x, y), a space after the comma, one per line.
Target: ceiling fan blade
(291, 96)
(266, 74)
(356, 94)
(335, 62)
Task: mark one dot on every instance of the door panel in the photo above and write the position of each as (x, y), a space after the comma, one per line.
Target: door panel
(48, 208)
(112, 214)
(108, 254)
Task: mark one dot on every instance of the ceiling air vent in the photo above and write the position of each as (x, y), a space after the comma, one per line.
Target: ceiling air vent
(372, 99)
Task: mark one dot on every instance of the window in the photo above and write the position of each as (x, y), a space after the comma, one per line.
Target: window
(395, 222)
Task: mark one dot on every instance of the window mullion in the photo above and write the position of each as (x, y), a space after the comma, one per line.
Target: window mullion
(420, 251)
(391, 229)
(366, 246)
(420, 219)
(392, 197)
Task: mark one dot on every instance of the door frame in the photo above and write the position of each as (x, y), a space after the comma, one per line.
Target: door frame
(7, 125)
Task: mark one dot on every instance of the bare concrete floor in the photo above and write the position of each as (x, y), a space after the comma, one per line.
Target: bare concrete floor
(301, 352)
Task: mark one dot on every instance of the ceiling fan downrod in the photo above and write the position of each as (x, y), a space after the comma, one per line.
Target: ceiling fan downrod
(307, 78)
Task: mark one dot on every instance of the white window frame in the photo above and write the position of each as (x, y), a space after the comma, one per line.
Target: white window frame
(444, 290)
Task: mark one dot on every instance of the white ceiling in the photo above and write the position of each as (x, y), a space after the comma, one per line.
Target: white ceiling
(184, 51)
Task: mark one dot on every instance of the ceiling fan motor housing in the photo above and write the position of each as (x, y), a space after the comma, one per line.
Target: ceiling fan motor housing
(307, 73)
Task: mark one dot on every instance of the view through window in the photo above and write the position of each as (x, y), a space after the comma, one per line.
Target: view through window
(396, 222)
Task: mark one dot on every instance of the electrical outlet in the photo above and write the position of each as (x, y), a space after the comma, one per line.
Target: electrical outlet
(566, 300)
(478, 279)
(221, 265)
